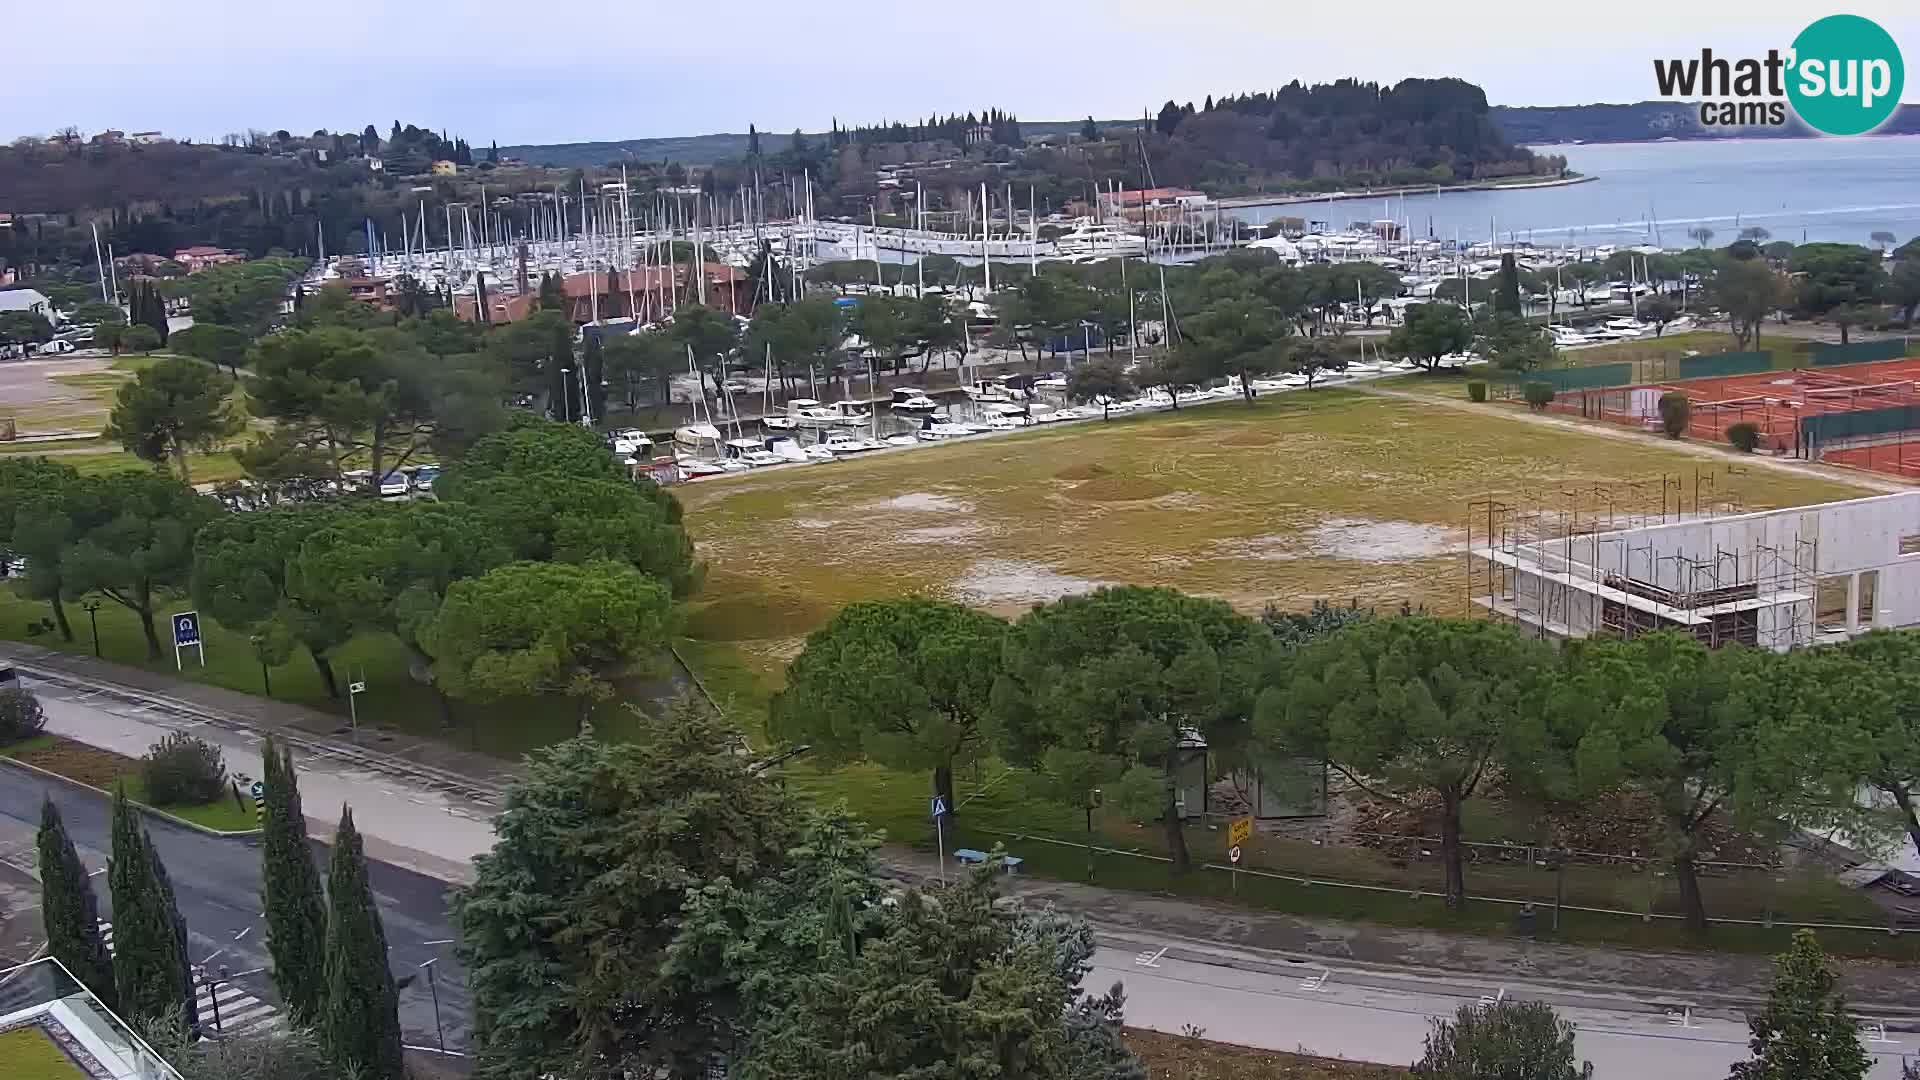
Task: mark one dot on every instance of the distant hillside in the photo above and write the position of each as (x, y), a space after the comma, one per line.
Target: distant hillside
(724, 146)
(1642, 121)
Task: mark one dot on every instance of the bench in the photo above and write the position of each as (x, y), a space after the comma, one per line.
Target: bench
(970, 857)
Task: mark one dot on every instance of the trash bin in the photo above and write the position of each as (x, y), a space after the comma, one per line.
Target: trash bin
(1526, 923)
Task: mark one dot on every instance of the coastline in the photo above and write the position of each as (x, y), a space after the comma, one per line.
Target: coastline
(1246, 201)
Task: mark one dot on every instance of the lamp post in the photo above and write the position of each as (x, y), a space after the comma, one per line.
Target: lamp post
(439, 1032)
(92, 607)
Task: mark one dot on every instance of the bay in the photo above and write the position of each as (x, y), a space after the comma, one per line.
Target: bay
(1797, 189)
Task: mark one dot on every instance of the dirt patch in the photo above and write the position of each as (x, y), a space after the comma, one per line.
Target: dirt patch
(1359, 540)
(942, 534)
(1181, 1057)
(1119, 487)
(991, 582)
(923, 502)
(77, 761)
(1077, 473)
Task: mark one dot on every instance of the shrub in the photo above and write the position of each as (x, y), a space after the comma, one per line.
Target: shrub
(181, 770)
(1477, 390)
(1745, 436)
(1511, 1038)
(1675, 410)
(20, 715)
(1539, 395)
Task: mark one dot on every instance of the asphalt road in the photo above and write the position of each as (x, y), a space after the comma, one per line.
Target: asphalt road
(217, 882)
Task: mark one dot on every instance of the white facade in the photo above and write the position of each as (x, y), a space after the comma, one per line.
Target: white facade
(1779, 578)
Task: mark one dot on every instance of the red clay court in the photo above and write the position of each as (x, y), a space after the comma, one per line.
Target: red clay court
(1775, 402)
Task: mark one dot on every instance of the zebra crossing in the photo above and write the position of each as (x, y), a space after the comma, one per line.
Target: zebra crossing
(224, 1008)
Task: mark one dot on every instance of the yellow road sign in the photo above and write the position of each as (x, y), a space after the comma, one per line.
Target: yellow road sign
(1239, 831)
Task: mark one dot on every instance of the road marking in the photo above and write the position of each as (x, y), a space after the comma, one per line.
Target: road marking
(1150, 959)
(1317, 983)
(239, 1011)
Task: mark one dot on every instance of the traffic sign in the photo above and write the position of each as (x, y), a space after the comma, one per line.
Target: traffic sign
(258, 789)
(939, 807)
(186, 629)
(1239, 831)
(1233, 854)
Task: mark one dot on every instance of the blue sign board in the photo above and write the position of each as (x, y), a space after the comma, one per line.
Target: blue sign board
(186, 629)
(939, 806)
(258, 789)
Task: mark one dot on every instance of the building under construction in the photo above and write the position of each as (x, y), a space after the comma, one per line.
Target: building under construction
(1668, 554)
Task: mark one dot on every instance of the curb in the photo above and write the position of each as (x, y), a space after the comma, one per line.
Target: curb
(222, 834)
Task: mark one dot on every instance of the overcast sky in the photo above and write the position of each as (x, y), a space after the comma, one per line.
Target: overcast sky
(521, 72)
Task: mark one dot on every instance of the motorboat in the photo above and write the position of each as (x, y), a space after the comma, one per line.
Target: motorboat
(850, 413)
(845, 442)
(1055, 381)
(779, 423)
(697, 440)
(911, 399)
(786, 448)
(750, 452)
(988, 390)
(903, 439)
(694, 468)
(808, 413)
(632, 444)
(819, 453)
(937, 430)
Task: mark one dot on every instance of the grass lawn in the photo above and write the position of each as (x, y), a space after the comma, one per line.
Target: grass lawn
(393, 699)
(105, 769)
(1329, 495)
(28, 1053)
(1179, 1057)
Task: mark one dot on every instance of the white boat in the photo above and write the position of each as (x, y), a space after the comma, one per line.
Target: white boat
(808, 413)
(750, 452)
(1089, 238)
(911, 399)
(779, 423)
(937, 430)
(845, 442)
(786, 449)
(988, 390)
(694, 468)
(902, 439)
(697, 440)
(819, 453)
(1055, 381)
(850, 413)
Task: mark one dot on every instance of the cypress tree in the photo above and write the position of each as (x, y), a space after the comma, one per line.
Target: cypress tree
(149, 959)
(361, 1023)
(1506, 287)
(296, 916)
(69, 910)
(170, 909)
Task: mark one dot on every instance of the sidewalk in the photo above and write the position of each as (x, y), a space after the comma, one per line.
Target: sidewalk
(428, 808)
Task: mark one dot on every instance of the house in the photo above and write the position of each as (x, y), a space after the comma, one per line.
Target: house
(201, 256)
(110, 137)
(1120, 203)
(1777, 579)
(374, 164)
(140, 263)
(76, 1028)
(979, 135)
(31, 301)
(445, 168)
(369, 290)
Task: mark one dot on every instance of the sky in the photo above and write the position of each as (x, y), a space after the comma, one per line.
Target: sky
(517, 72)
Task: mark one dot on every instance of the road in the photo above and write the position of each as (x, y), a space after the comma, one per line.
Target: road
(1300, 1013)
(217, 882)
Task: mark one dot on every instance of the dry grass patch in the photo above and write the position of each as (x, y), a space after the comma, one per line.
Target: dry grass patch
(1329, 494)
(1179, 1057)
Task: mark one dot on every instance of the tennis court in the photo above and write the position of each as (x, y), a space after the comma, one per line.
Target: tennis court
(1777, 403)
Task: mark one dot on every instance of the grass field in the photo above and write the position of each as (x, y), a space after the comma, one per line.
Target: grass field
(1328, 495)
(28, 1053)
(105, 769)
(81, 401)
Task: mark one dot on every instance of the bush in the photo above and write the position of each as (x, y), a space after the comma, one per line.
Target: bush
(20, 715)
(1539, 395)
(1477, 390)
(1511, 1038)
(1675, 410)
(1745, 436)
(181, 770)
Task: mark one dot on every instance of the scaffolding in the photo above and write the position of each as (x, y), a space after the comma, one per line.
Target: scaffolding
(1584, 559)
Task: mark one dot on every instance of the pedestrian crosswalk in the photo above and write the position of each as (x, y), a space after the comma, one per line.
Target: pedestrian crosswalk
(224, 1008)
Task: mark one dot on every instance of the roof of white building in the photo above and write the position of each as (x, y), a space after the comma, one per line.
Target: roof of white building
(23, 300)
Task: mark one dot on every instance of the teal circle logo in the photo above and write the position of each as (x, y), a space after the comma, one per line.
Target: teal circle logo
(1846, 75)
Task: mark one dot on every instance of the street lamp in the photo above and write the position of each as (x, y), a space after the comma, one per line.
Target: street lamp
(92, 607)
(439, 1032)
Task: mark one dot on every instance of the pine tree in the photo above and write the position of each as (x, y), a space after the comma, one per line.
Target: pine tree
(296, 915)
(149, 961)
(69, 910)
(1804, 1033)
(361, 1023)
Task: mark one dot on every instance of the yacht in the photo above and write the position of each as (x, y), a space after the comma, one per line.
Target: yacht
(1567, 336)
(695, 468)
(911, 399)
(936, 430)
(1055, 381)
(808, 413)
(1089, 238)
(749, 452)
(846, 442)
(988, 390)
(697, 441)
(786, 448)
(850, 413)
(779, 423)
(903, 439)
